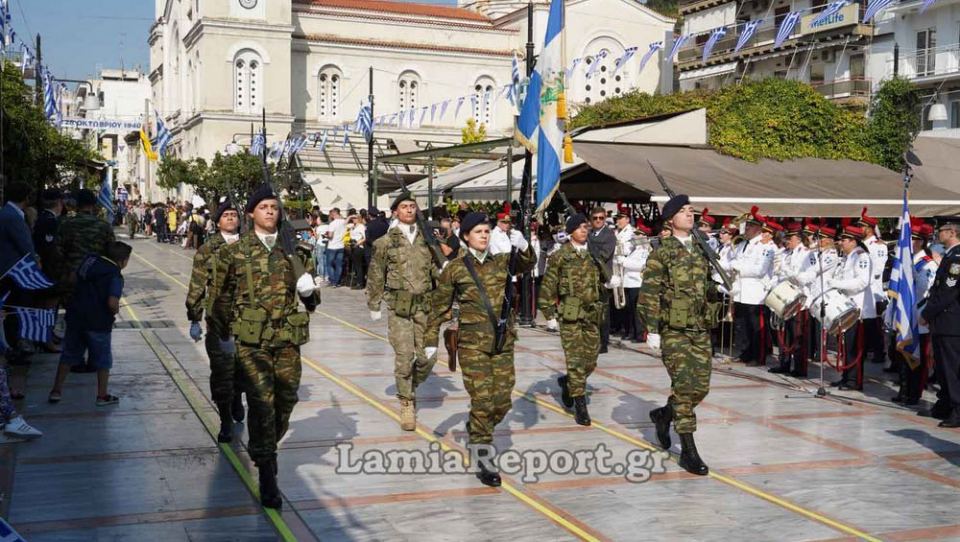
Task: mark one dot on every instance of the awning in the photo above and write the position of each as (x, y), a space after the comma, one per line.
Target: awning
(940, 164)
(730, 186)
(451, 178)
(709, 71)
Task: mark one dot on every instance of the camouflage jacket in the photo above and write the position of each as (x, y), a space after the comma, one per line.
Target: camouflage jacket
(82, 234)
(398, 265)
(202, 278)
(571, 275)
(248, 276)
(456, 284)
(677, 291)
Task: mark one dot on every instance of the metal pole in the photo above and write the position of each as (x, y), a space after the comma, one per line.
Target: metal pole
(896, 59)
(526, 280)
(510, 174)
(146, 159)
(38, 84)
(376, 179)
(371, 181)
(430, 170)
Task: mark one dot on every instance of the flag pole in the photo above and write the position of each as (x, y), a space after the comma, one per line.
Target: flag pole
(527, 300)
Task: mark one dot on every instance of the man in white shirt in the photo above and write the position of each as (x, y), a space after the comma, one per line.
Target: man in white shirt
(852, 278)
(333, 255)
(873, 330)
(753, 263)
(500, 236)
(358, 235)
(793, 348)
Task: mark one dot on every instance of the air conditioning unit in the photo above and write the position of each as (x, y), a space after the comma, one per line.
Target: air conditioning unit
(829, 55)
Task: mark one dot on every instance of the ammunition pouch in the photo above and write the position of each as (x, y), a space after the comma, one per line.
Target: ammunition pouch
(570, 309)
(296, 329)
(680, 314)
(404, 303)
(713, 314)
(249, 329)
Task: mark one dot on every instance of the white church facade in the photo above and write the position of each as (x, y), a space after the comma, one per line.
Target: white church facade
(217, 64)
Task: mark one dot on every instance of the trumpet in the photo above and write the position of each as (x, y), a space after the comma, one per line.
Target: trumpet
(619, 294)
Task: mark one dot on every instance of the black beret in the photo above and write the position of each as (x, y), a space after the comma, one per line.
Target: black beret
(51, 194)
(86, 198)
(265, 191)
(404, 196)
(472, 220)
(673, 206)
(227, 205)
(575, 221)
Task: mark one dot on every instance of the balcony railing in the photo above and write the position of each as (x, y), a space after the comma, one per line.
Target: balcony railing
(844, 87)
(938, 61)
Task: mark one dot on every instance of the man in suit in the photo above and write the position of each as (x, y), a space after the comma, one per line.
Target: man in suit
(15, 243)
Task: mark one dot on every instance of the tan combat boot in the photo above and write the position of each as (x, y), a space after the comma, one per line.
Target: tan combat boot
(408, 415)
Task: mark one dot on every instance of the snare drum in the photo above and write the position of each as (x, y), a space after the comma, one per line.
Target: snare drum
(840, 313)
(785, 300)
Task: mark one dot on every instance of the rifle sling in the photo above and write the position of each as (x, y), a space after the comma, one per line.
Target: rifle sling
(468, 262)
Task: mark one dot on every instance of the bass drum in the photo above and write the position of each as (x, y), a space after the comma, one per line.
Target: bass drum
(840, 313)
(785, 300)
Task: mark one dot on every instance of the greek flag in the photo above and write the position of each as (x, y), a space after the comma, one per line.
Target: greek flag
(27, 274)
(27, 58)
(423, 115)
(35, 324)
(786, 28)
(546, 89)
(163, 137)
(926, 4)
(514, 93)
(7, 534)
(49, 99)
(597, 60)
(627, 55)
(712, 41)
(6, 22)
(298, 144)
(875, 7)
(323, 140)
(573, 66)
(749, 30)
(901, 290)
(654, 47)
(105, 196)
(456, 112)
(256, 146)
(433, 113)
(677, 44)
(346, 138)
(365, 120)
(443, 109)
(830, 11)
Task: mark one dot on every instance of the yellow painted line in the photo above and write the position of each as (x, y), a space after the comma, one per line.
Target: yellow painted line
(648, 446)
(161, 271)
(197, 405)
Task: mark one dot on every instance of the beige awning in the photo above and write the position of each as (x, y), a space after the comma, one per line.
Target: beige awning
(730, 186)
(940, 157)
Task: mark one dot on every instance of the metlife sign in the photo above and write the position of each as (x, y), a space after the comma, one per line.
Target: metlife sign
(847, 16)
(106, 125)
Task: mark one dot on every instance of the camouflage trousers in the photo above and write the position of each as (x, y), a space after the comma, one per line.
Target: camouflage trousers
(411, 366)
(581, 347)
(224, 371)
(489, 379)
(271, 378)
(687, 355)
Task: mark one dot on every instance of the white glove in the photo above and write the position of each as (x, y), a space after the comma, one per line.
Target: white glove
(653, 341)
(517, 240)
(615, 281)
(430, 351)
(376, 315)
(228, 346)
(195, 332)
(552, 324)
(305, 285)
(444, 266)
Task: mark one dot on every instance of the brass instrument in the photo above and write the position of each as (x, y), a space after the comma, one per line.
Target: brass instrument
(619, 294)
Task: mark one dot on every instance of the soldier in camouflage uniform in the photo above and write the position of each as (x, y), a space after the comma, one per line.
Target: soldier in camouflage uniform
(575, 278)
(679, 304)
(223, 386)
(402, 273)
(257, 300)
(488, 373)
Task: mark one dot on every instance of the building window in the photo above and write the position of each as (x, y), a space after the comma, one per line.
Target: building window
(602, 83)
(926, 51)
(483, 103)
(328, 94)
(247, 83)
(409, 91)
(955, 114)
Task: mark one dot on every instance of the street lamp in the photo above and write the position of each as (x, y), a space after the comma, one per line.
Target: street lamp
(937, 113)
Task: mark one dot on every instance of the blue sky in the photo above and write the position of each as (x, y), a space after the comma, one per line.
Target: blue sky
(81, 36)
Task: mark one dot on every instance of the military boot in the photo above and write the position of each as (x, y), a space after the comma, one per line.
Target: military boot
(269, 492)
(565, 392)
(580, 413)
(237, 408)
(952, 421)
(226, 424)
(662, 417)
(689, 458)
(408, 415)
(488, 477)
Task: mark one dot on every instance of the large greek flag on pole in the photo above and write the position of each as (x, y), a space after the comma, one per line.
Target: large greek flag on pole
(549, 75)
(905, 319)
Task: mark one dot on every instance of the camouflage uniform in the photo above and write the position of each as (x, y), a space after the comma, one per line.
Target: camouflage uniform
(488, 376)
(679, 300)
(222, 365)
(401, 273)
(81, 234)
(257, 301)
(575, 278)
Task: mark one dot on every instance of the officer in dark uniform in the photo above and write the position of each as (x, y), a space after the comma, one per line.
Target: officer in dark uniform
(942, 315)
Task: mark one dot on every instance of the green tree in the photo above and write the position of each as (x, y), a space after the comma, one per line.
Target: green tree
(34, 151)
(472, 133)
(238, 174)
(894, 121)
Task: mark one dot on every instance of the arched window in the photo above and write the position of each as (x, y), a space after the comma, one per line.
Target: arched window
(484, 94)
(247, 83)
(328, 94)
(602, 83)
(409, 91)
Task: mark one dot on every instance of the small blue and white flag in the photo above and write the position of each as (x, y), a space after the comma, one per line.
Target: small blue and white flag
(652, 50)
(715, 36)
(832, 9)
(474, 105)
(7, 534)
(515, 79)
(901, 292)
(365, 120)
(27, 59)
(573, 66)
(874, 8)
(747, 33)
(433, 113)
(346, 137)
(786, 28)
(423, 115)
(256, 146)
(27, 274)
(163, 136)
(627, 55)
(456, 111)
(49, 98)
(105, 196)
(35, 324)
(597, 60)
(323, 140)
(443, 109)
(678, 43)
(926, 4)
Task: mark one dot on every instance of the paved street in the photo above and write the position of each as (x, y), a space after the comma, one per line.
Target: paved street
(785, 466)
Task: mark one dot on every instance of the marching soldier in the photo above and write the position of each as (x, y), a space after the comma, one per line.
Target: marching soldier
(879, 253)
(680, 305)
(852, 277)
(223, 382)
(942, 314)
(257, 302)
(477, 280)
(913, 373)
(575, 278)
(753, 263)
(402, 273)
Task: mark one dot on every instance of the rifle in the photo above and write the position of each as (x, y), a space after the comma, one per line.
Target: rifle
(438, 258)
(699, 237)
